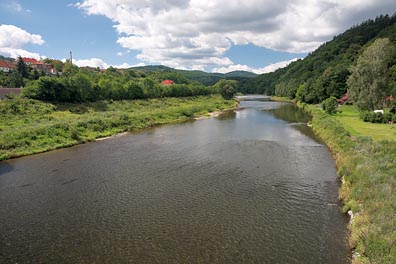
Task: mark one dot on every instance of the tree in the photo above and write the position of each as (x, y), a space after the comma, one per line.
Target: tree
(15, 80)
(369, 80)
(227, 88)
(330, 105)
(134, 90)
(22, 69)
(69, 69)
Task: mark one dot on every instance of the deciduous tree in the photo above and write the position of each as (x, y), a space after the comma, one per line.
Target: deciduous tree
(369, 80)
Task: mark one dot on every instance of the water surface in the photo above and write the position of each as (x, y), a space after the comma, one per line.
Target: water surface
(252, 186)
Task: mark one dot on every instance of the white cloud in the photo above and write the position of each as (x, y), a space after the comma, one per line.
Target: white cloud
(95, 62)
(12, 40)
(239, 67)
(14, 53)
(14, 37)
(15, 6)
(197, 33)
(274, 66)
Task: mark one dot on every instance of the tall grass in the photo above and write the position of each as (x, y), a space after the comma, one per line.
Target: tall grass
(368, 170)
(31, 126)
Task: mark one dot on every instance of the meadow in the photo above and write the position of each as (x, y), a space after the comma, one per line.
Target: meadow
(349, 118)
(30, 126)
(366, 158)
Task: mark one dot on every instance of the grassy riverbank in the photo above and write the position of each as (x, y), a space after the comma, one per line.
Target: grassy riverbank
(31, 126)
(367, 168)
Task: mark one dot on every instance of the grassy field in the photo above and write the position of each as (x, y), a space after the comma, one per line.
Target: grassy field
(349, 117)
(367, 168)
(30, 126)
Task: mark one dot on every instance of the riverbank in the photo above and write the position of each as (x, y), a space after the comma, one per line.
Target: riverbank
(31, 126)
(367, 171)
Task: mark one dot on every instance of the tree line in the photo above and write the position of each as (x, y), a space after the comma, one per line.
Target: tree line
(78, 85)
(360, 61)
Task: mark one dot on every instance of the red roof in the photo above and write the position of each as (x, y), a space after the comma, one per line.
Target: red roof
(167, 82)
(31, 60)
(6, 64)
(343, 99)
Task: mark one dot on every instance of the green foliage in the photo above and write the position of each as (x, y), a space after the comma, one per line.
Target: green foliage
(367, 168)
(29, 126)
(22, 68)
(227, 88)
(370, 116)
(87, 86)
(369, 80)
(323, 73)
(330, 105)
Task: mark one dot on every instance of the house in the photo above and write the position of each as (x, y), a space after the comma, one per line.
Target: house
(31, 62)
(38, 65)
(167, 82)
(7, 66)
(343, 99)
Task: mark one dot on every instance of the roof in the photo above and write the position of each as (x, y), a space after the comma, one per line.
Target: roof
(6, 64)
(167, 82)
(31, 60)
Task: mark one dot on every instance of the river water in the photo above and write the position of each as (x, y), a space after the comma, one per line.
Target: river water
(250, 186)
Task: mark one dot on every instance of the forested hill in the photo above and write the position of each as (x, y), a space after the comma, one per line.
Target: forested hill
(200, 76)
(323, 73)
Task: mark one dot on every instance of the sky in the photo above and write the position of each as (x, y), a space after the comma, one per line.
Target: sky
(209, 35)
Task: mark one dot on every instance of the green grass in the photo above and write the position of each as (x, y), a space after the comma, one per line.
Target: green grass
(368, 170)
(349, 117)
(30, 126)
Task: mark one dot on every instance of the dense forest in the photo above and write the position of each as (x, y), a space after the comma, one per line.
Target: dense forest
(325, 72)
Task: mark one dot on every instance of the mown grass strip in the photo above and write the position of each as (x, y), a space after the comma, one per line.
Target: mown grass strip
(349, 117)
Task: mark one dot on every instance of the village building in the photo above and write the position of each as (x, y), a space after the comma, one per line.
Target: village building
(6, 66)
(40, 66)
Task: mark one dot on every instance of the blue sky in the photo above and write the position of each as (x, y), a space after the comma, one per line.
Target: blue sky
(220, 36)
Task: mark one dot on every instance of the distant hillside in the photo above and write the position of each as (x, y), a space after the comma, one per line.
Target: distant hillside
(241, 74)
(323, 73)
(199, 76)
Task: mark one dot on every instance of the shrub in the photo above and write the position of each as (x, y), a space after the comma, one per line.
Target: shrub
(394, 118)
(330, 105)
(75, 135)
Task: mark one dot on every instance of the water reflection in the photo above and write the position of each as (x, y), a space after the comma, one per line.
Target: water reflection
(291, 113)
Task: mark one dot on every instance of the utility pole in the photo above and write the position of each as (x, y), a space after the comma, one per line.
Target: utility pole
(71, 58)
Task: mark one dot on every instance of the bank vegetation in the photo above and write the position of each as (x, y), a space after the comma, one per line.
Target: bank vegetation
(30, 126)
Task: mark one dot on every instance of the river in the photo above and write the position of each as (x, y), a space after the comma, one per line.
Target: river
(251, 186)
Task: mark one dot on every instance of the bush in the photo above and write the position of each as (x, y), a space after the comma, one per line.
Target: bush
(394, 118)
(330, 105)
(376, 117)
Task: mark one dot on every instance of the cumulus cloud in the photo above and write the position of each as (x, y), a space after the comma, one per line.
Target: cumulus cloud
(99, 63)
(266, 69)
(12, 40)
(93, 62)
(197, 33)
